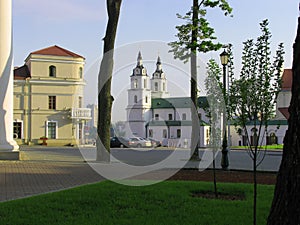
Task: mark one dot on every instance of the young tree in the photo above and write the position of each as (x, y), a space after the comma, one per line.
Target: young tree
(194, 36)
(286, 202)
(214, 110)
(253, 96)
(104, 82)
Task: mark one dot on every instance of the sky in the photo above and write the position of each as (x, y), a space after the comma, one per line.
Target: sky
(146, 26)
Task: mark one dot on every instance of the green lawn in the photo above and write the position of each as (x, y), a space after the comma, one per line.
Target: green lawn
(169, 202)
(272, 147)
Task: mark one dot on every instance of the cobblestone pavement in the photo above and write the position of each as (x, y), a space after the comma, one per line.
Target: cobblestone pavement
(27, 177)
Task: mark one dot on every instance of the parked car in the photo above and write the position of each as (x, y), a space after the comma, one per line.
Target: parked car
(139, 142)
(155, 143)
(119, 142)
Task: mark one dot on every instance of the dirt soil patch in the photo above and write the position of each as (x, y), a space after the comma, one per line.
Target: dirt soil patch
(225, 176)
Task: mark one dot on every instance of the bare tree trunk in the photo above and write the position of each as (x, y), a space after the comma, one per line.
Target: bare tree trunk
(286, 203)
(215, 176)
(104, 82)
(194, 90)
(255, 184)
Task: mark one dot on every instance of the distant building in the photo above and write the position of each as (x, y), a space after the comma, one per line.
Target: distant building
(48, 98)
(94, 115)
(151, 112)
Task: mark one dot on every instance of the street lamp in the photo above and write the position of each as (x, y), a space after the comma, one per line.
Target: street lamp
(224, 160)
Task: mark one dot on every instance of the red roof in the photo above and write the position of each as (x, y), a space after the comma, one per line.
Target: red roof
(57, 51)
(285, 112)
(287, 79)
(21, 73)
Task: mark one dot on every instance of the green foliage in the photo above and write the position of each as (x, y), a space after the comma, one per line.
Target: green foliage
(214, 94)
(204, 40)
(253, 96)
(168, 202)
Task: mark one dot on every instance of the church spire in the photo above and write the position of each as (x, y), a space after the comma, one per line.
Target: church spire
(158, 72)
(139, 70)
(139, 59)
(158, 64)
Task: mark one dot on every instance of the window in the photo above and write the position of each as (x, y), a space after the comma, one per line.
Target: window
(135, 83)
(170, 116)
(51, 130)
(200, 116)
(272, 139)
(18, 130)
(52, 71)
(145, 83)
(164, 87)
(165, 133)
(150, 133)
(80, 102)
(135, 99)
(52, 102)
(146, 100)
(183, 116)
(178, 133)
(80, 131)
(155, 86)
(156, 116)
(80, 72)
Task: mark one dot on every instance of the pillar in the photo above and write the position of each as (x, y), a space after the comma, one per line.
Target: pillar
(7, 143)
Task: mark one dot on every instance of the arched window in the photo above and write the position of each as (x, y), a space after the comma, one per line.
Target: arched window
(135, 83)
(135, 99)
(80, 72)
(272, 139)
(52, 71)
(254, 137)
(155, 86)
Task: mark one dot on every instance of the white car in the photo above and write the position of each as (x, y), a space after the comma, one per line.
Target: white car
(139, 142)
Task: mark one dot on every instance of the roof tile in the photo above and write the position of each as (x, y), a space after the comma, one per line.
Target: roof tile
(287, 79)
(57, 51)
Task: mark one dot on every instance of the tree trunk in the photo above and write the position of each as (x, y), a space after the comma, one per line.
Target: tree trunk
(255, 183)
(104, 82)
(286, 203)
(194, 90)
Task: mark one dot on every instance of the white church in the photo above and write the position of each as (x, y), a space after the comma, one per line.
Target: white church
(151, 112)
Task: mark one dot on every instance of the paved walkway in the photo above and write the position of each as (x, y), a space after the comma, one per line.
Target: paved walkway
(34, 176)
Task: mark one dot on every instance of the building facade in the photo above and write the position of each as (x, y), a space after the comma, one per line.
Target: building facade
(151, 112)
(48, 98)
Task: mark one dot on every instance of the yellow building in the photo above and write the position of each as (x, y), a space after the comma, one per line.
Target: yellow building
(48, 98)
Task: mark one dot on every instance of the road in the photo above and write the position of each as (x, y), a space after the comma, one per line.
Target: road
(238, 159)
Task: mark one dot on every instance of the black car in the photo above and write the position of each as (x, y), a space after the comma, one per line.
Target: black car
(118, 142)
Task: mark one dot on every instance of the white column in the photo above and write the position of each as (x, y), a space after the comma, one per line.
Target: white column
(7, 142)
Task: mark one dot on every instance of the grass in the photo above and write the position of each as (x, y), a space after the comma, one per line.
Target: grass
(277, 147)
(169, 202)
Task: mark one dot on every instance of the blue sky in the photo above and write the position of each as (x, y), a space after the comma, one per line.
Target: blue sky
(79, 25)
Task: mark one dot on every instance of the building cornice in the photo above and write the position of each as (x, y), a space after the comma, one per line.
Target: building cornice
(57, 61)
(53, 82)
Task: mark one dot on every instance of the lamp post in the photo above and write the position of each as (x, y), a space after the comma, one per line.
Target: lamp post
(224, 159)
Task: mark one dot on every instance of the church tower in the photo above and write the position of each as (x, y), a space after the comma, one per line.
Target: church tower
(139, 100)
(159, 82)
